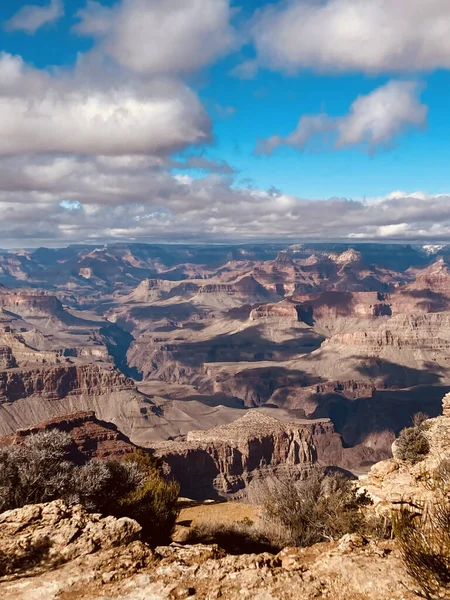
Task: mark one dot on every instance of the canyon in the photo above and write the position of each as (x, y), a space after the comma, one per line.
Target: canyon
(239, 361)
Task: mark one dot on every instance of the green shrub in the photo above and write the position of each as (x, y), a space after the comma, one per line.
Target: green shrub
(154, 505)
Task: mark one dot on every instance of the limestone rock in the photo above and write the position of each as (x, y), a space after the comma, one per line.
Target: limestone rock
(132, 572)
(224, 460)
(393, 483)
(61, 532)
(59, 382)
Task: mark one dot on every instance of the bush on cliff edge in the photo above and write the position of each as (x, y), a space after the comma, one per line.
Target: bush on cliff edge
(38, 471)
(412, 445)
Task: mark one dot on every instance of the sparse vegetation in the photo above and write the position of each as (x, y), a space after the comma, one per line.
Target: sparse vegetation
(412, 444)
(242, 537)
(322, 508)
(424, 538)
(36, 470)
(39, 470)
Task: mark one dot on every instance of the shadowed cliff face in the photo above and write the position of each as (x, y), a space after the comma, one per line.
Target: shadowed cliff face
(231, 460)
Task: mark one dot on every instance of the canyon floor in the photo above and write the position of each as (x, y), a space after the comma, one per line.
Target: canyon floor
(231, 363)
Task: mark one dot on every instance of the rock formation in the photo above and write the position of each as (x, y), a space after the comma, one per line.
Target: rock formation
(227, 460)
(87, 557)
(91, 437)
(60, 382)
(61, 533)
(393, 483)
(358, 334)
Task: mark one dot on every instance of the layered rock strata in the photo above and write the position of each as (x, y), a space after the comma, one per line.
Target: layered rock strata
(227, 460)
(59, 382)
(91, 437)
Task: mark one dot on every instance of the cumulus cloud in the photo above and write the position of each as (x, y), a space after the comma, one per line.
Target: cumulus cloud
(354, 35)
(31, 18)
(373, 120)
(161, 36)
(41, 113)
(81, 199)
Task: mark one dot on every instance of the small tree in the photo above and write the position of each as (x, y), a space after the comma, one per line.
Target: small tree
(36, 471)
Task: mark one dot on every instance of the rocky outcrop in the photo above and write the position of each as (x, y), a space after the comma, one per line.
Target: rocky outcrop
(150, 290)
(435, 277)
(17, 352)
(247, 285)
(416, 332)
(32, 304)
(86, 557)
(7, 359)
(330, 305)
(348, 257)
(58, 533)
(393, 483)
(91, 437)
(58, 382)
(281, 310)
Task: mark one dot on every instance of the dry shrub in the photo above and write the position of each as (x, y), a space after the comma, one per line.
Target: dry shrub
(39, 471)
(35, 471)
(322, 508)
(424, 538)
(419, 419)
(412, 445)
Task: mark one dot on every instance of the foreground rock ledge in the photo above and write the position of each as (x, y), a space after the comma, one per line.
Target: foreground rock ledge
(95, 558)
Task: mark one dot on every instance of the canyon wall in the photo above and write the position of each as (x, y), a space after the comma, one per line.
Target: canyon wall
(230, 461)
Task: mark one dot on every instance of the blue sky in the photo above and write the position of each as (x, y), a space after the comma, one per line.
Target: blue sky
(292, 132)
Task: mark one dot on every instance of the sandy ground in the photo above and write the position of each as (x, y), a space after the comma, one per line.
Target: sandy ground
(218, 513)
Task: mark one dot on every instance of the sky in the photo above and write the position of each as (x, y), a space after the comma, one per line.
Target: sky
(224, 121)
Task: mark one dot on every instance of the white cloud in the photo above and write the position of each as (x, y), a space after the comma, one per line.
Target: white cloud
(246, 70)
(354, 35)
(78, 199)
(373, 120)
(161, 36)
(31, 18)
(382, 115)
(41, 113)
